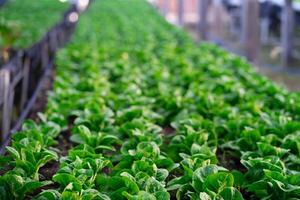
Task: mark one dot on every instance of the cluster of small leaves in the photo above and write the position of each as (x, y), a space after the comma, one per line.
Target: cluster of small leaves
(153, 116)
(29, 152)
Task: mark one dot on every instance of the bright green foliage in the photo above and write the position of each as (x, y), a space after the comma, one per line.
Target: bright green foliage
(23, 22)
(28, 153)
(154, 116)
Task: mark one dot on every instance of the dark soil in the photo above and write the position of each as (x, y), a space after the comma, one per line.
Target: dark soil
(48, 170)
(53, 186)
(246, 195)
(168, 130)
(173, 194)
(6, 169)
(64, 143)
(230, 161)
(106, 170)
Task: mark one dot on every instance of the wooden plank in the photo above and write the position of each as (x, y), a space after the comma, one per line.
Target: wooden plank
(11, 97)
(203, 23)
(15, 65)
(61, 37)
(53, 40)
(25, 83)
(1, 87)
(287, 27)
(45, 55)
(16, 79)
(264, 33)
(27, 109)
(5, 76)
(180, 12)
(251, 29)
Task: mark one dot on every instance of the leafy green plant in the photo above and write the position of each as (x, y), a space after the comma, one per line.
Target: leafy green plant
(139, 111)
(13, 186)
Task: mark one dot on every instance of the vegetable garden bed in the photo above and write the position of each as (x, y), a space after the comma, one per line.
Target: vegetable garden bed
(140, 112)
(24, 22)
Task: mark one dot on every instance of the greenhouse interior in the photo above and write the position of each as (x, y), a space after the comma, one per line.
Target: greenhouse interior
(150, 99)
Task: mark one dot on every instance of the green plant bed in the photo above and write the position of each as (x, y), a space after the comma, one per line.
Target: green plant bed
(140, 112)
(24, 22)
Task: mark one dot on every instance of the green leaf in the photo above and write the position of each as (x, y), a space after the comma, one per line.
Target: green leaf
(231, 193)
(259, 188)
(162, 195)
(91, 194)
(46, 157)
(143, 166)
(162, 174)
(148, 149)
(27, 166)
(11, 183)
(200, 175)
(109, 139)
(32, 185)
(48, 195)
(268, 149)
(142, 195)
(177, 183)
(104, 147)
(130, 183)
(13, 152)
(5, 194)
(186, 192)
(84, 132)
(204, 196)
(77, 138)
(153, 186)
(218, 181)
(239, 179)
(65, 179)
(68, 195)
